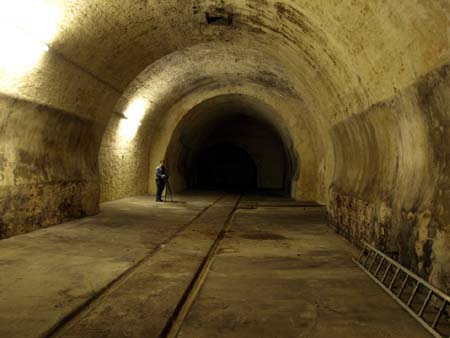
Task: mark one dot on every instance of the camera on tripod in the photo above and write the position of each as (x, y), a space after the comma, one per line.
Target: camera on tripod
(168, 189)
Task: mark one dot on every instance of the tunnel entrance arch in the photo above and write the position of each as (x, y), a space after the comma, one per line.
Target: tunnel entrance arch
(224, 131)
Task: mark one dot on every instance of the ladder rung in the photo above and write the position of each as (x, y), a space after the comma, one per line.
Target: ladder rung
(439, 314)
(391, 284)
(386, 272)
(379, 266)
(364, 261)
(425, 303)
(373, 261)
(413, 294)
(403, 286)
(362, 253)
(368, 257)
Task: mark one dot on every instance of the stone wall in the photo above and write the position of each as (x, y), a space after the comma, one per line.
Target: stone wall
(391, 186)
(48, 166)
(123, 164)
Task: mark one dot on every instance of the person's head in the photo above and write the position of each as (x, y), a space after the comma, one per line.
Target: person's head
(161, 163)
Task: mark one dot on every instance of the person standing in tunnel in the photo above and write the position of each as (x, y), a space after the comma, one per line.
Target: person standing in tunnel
(161, 178)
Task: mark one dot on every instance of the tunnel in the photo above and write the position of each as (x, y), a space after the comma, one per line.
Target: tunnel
(294, 134)
(230, 143)
(224, 167)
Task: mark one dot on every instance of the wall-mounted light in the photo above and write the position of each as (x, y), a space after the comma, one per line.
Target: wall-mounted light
(133, 115)
(39, 18)
(26, 29)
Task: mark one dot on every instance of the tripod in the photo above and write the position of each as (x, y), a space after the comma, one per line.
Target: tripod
(169, 190)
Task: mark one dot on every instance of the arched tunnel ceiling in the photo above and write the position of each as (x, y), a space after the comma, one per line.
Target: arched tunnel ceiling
(346, 54)
(192, 73)
(137, 33)
(212, 111)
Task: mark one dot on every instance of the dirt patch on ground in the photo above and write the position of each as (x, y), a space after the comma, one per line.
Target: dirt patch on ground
(264, 236)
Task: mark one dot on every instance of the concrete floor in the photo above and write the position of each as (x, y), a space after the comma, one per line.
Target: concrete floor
(279, 272)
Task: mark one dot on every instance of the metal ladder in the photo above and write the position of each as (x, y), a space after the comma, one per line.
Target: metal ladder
(428, 305)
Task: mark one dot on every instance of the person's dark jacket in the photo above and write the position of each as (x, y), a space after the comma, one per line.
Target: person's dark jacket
(161, 173)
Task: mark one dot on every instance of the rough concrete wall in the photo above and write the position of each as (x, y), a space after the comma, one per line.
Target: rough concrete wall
(392, 180)
(52, 115)
(123, 165)
(48, 166)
